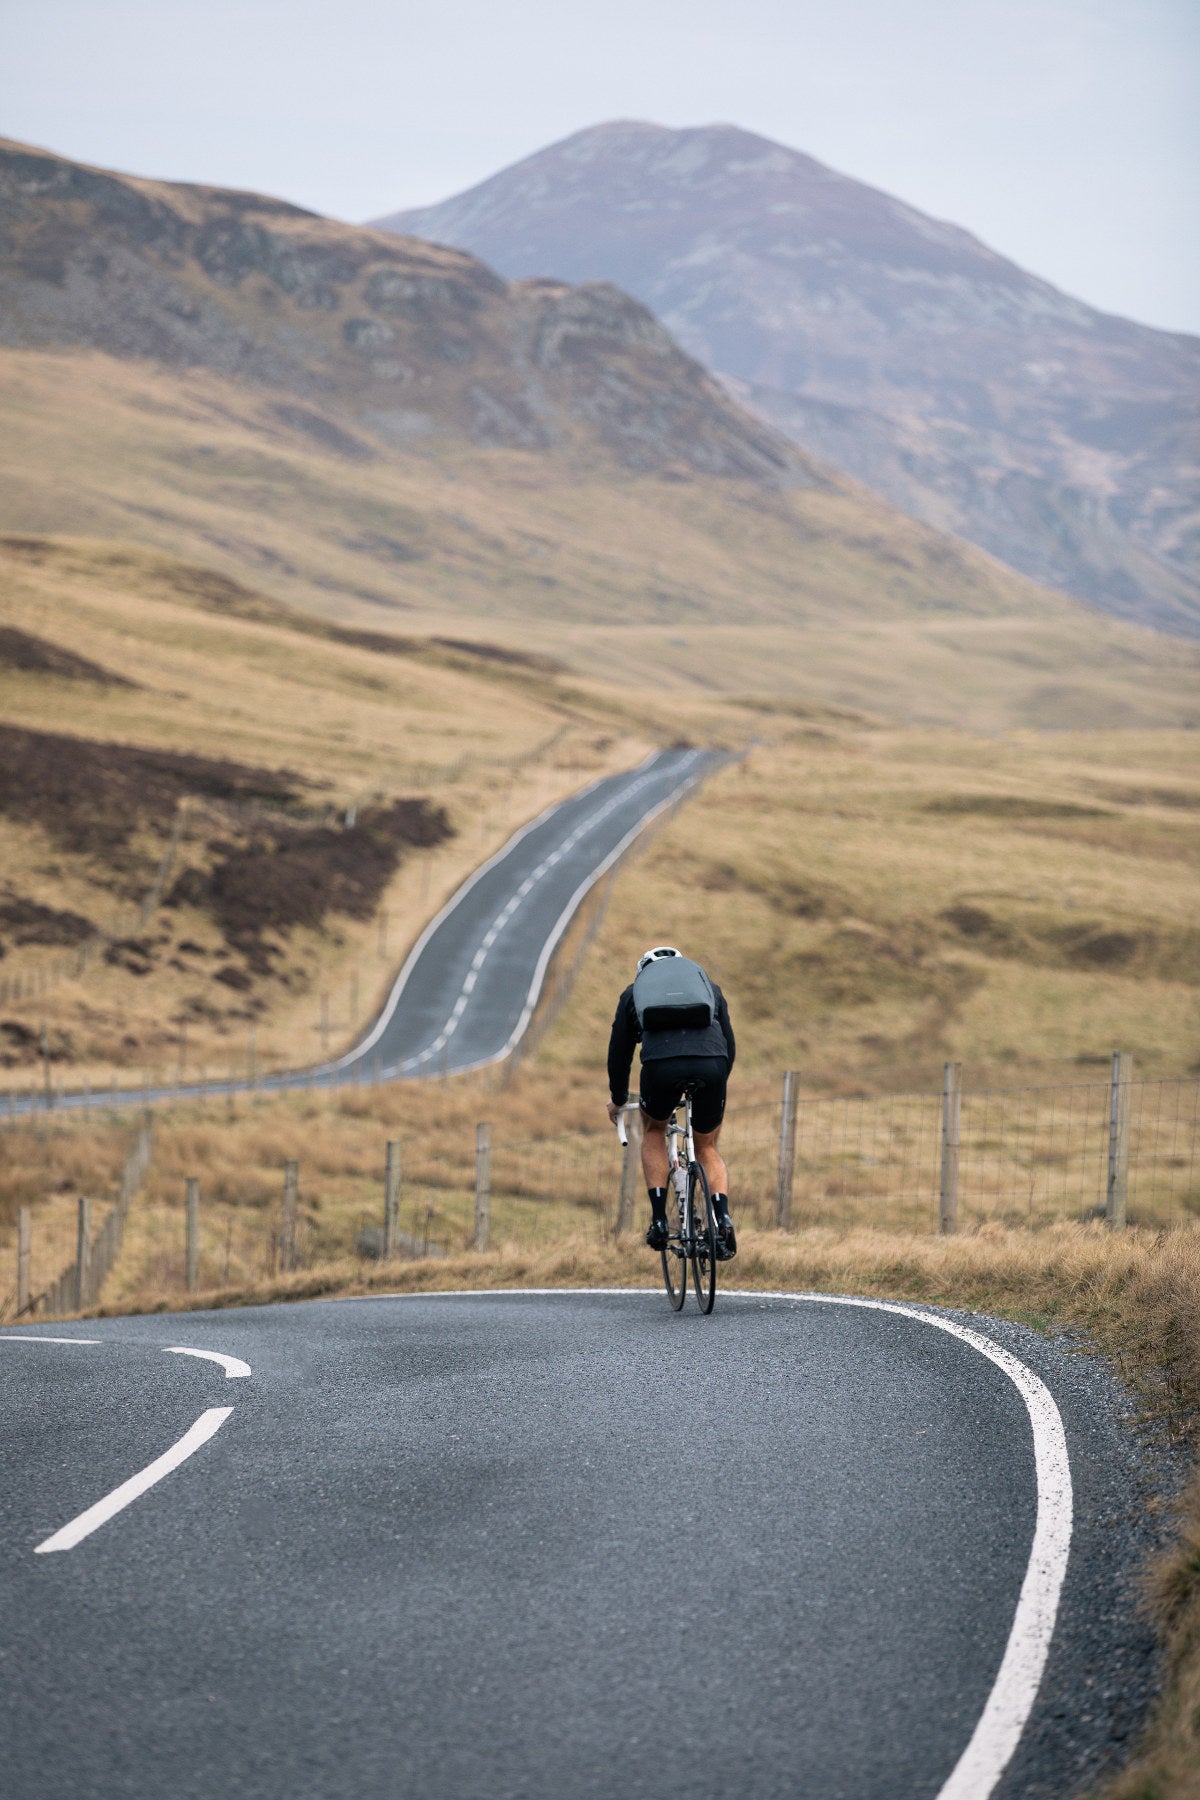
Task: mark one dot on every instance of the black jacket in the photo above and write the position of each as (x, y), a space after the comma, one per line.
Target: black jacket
(711, 1040)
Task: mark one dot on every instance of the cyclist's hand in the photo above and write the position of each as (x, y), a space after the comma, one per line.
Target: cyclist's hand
(614, 1112)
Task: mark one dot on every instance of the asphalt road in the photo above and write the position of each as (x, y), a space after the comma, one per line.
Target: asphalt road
(546, 1545)
(468, 989)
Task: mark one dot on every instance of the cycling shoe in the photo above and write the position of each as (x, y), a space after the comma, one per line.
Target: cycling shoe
(658, 1235)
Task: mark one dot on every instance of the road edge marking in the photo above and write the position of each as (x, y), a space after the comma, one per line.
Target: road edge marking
(560, 926)
(998, 1729)
(98, 1514)
(1011, 1699)
(383, 1018)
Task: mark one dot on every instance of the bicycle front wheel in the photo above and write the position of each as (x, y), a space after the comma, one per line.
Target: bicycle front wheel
(704, 1238)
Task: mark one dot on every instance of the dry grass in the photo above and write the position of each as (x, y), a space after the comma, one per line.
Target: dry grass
(822, 596)
(220, 670)
(876, 901)
(1135, 1297)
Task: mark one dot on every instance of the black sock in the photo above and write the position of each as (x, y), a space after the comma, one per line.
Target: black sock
(721, 1202)
(658, 1202)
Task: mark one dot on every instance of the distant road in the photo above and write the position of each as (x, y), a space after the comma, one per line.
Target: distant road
(468, 989)
(527, 1546)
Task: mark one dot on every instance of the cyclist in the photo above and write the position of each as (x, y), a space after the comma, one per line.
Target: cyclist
(671, 1059)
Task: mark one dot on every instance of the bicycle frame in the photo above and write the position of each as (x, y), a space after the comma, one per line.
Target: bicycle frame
(681, 1145)
(687, 1243)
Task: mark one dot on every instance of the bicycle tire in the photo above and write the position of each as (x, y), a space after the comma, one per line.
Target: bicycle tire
(674, 1267)
(674, 1257)
(704, 1238)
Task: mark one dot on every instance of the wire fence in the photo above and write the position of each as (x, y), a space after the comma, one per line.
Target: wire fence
(78, 1284)
(1023, 1157)
(1026, 1157)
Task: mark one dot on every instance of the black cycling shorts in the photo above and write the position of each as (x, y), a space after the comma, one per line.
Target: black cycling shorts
(663, 1082)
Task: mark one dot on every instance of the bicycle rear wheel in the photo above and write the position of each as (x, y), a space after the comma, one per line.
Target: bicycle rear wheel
(674, 1265)
(704, 1238)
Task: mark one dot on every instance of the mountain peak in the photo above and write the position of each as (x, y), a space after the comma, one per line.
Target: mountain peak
(402, 338)
(899, 347)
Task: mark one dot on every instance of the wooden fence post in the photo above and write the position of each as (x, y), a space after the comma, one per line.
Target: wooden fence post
(631, 1170)
(787, 1152)
(287, 1235)
(483, 1183)
(1117, 1191)
(192, 1233)
(951, 1135)
(24, 1217)
(391, 1199)
(83, 1255)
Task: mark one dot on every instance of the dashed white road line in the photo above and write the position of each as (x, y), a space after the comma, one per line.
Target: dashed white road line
(232, 1365)
(75, 1530)
(29, 1337)
(581, 830)
(206, 1425)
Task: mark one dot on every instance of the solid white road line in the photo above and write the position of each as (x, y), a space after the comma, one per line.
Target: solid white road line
(28, 1337)
(1015, 1688)
(455, 900)
(581, 830)
(232, 1365)
(72, 1533)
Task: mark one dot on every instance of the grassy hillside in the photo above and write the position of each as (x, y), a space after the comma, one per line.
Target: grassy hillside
(668, 586)
(874, 901)
(177, 760)
(180, 753)
(385, 433)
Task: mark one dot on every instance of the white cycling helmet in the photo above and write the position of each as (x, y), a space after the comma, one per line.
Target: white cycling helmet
(653, 955)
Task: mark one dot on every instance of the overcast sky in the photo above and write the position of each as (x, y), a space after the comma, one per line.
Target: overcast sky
(1065, 133)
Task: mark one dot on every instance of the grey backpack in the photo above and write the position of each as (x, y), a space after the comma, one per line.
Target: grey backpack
(674, 994)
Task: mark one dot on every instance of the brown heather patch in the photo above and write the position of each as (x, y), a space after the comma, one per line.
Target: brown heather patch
(32, 655)
(24, 921)
(287, 874)
(92, 797)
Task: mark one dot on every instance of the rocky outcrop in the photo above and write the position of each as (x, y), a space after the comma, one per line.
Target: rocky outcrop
(369, 333)
(975, 396)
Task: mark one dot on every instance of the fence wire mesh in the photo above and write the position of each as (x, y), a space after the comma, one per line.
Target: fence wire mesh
(1025, 1157)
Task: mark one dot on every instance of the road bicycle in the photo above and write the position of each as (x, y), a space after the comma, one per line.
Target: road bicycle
(693, 1240)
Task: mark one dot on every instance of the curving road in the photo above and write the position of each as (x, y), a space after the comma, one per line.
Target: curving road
(468, 989)
(537, 1545)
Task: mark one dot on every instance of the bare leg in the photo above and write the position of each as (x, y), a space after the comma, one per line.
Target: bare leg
(711, 1160)
(655, 1166)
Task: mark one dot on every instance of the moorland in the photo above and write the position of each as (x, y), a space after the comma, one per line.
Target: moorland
(327, 559)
